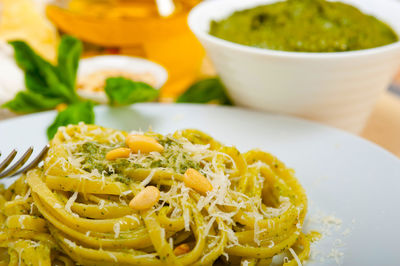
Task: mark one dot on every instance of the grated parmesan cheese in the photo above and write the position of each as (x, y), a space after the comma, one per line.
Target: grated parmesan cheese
(209, 225)
(147, 180)
(112, 256)
(329, 226)
(101, 204)
(125, 193)
(336, 254)
(117, 229)
(70, 243)
(21, 221)
(295, 257)
(28, 193)
(135, 218)
(71, 201)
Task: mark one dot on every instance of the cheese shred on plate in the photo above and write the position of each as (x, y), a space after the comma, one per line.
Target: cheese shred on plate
(76, 205)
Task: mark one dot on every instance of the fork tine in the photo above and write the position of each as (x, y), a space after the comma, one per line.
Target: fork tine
(18, 164)
(8, 160)
(34, 162)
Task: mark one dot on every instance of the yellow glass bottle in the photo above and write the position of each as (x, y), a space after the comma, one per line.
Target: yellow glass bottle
(135, 27)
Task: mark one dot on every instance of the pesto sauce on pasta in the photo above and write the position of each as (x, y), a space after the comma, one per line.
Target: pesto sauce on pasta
(74, 209)
(173, 157)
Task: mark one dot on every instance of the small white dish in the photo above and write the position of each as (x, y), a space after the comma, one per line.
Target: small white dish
(351, 184)
(339, 88)
(126, 64)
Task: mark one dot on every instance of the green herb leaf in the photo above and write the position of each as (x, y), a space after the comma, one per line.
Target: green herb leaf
(75, 113)
(48, 85)
(208, 90)
(40, 76)
(28, 60)
(122, 91)
(69, 52)
(36, 84)
(29, 102)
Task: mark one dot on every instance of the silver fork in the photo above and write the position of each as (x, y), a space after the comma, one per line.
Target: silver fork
(15, 169)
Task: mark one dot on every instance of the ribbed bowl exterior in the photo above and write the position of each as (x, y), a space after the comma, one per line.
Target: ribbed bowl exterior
(339, 89)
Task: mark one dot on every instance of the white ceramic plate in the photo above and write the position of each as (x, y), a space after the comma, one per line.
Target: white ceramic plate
(344, 176)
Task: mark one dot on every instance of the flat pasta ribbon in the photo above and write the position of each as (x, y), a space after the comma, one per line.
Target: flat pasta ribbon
(75, 208)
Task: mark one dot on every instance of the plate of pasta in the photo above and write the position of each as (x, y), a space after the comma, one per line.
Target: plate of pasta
(155, 184)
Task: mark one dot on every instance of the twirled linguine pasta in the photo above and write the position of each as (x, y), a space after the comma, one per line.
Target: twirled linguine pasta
(75, 208)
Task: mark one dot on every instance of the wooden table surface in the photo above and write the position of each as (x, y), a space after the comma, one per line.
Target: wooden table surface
(383, 126)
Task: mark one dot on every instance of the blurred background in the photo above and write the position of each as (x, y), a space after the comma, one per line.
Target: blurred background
(155, 30)
(152, 29)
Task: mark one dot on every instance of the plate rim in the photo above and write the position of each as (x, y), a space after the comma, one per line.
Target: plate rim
(230, 108)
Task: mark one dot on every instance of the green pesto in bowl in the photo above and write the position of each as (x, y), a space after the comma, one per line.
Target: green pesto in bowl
(304, 26)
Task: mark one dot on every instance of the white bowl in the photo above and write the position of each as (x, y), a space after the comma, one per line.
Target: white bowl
(339, 88)
(135, 65)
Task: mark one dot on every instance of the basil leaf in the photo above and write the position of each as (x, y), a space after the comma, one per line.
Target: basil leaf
(208, 90)
(29, 102)
(69, 52)
(40, 76)
(36, 84)
(122, 91)
(27, 59)
(75, 113)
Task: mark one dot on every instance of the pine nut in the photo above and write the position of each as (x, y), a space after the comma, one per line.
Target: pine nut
(181, 249)
(118, 153)
(197, 181)
(145, 199)
(143, 144)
